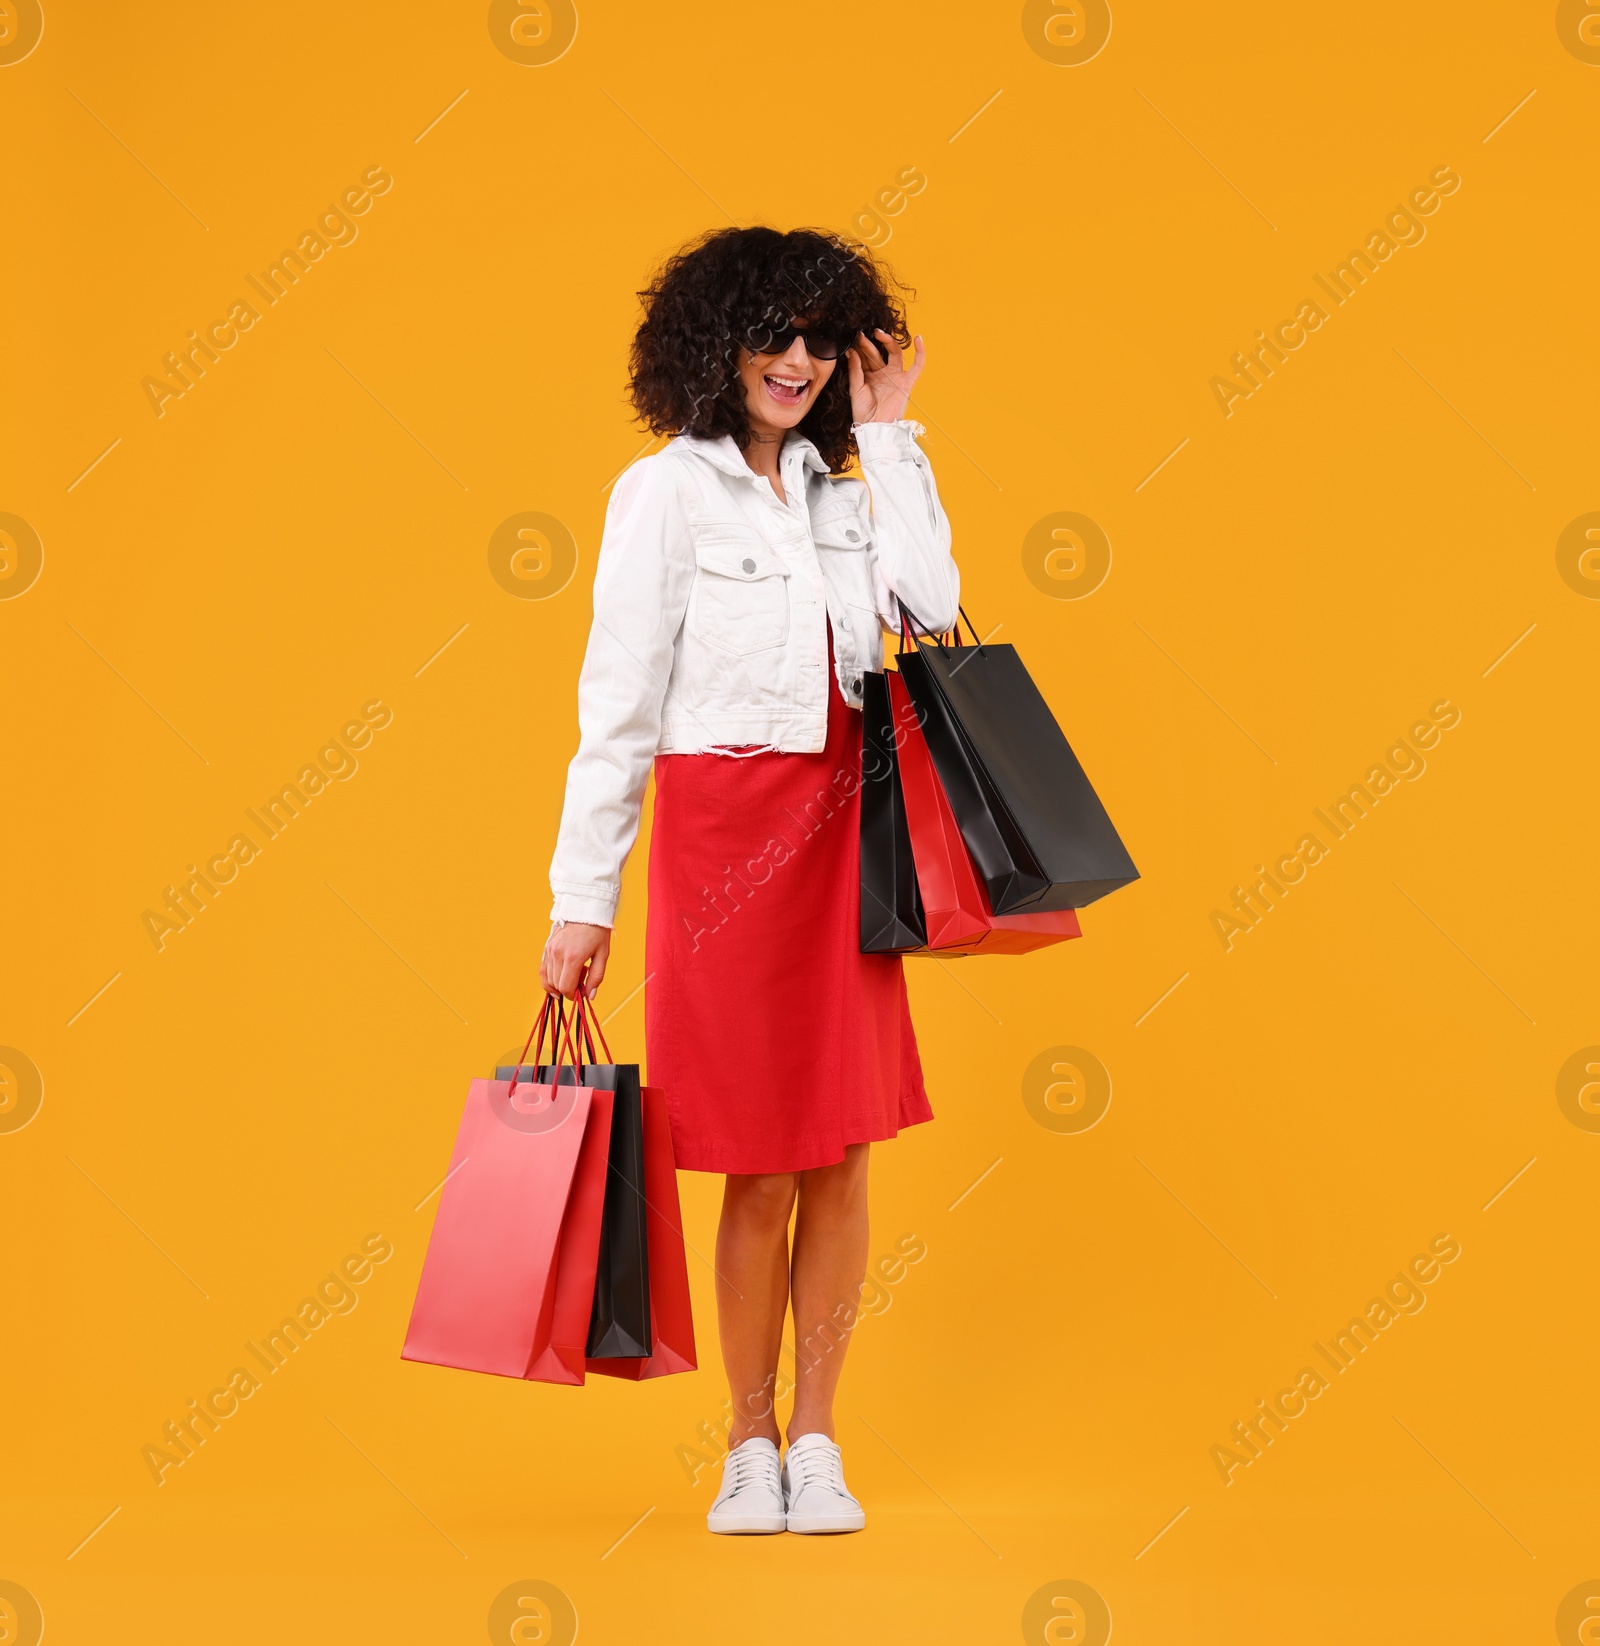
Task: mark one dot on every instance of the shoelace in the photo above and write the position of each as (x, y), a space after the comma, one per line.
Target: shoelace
(817, 1466)
(748, 1469)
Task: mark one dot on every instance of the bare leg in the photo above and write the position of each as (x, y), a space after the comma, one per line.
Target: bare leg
(830, 1259)
(752, 1295)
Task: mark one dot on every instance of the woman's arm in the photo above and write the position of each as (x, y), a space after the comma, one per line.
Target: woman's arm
(641, 588)
(909, 531)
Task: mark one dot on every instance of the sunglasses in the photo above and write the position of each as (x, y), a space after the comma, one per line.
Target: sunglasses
(780, 339)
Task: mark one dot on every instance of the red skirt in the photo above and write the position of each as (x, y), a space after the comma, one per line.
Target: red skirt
(776, 1041)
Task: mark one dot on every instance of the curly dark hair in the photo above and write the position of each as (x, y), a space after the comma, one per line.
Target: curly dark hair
(684, 376)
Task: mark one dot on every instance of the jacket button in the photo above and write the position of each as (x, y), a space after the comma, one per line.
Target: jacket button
(749, 565)
(850, 536)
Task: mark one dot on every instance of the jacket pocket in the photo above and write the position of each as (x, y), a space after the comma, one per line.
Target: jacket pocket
(844, 549)
(740, 600)
(838, 525)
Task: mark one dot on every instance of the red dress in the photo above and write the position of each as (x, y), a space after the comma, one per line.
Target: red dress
(776, 1041)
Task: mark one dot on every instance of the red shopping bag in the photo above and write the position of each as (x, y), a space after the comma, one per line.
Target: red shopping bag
(510, 1265)
(578, 1252)
(671, 1320)
(955, 902)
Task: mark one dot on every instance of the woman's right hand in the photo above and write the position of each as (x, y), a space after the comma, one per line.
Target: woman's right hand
(569, 949)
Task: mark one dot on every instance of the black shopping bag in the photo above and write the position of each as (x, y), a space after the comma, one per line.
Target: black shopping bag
(619, 1326)
(891, 908)
(1037, 832)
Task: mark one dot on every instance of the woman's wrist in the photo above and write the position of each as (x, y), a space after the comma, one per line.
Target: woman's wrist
(585, 905)
(896, 439)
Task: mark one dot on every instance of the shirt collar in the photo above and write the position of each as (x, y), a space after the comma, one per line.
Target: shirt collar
(723, 453)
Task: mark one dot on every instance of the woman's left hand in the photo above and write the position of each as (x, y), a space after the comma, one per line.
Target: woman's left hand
(880, 383)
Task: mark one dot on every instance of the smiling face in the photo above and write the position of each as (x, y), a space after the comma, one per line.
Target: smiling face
(779, 389)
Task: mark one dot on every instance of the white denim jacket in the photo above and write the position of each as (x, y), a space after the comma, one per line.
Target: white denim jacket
(710, 604)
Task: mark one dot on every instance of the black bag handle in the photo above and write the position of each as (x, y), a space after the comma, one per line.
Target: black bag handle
(577, 1034)
(538, 1032)
(585, 1024)
(907, 616)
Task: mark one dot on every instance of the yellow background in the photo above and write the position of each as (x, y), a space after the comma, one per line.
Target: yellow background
(304, 530)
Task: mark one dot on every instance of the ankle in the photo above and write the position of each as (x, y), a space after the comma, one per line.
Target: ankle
(799, 1430)
(738, 1435)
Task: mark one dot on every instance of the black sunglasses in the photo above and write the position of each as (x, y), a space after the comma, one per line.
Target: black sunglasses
(760, 339)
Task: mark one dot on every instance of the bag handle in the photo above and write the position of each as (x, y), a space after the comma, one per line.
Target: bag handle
(537, 1030)
(587, 1020)
(909, 622)
(583, 1020)
(555, 1047)
(585, 1024)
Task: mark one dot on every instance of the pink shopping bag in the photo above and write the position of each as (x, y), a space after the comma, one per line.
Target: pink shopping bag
(511, 1261)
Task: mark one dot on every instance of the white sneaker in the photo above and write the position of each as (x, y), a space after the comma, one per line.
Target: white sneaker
(814, 1492)
(751, 1499)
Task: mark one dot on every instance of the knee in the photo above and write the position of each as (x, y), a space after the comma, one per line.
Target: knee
(843, 1184)
(764, 1198)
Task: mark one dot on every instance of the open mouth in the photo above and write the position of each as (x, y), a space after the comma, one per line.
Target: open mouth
(787, 391)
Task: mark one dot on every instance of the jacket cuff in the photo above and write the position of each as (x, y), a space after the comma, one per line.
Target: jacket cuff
(593, 907)
(880, 442)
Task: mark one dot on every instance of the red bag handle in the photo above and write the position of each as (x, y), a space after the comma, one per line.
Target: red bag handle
(585, 1024)
(587, 1020)
(537, 1029)
(555, 1047)
(583, 1021)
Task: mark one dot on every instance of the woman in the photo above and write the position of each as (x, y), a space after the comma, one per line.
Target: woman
(742, 591)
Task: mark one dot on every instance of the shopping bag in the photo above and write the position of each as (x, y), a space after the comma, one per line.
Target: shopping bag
(891, 910)
(487, 1296)
(619, 1322)
(956, 906)
(947, 885)
(565, 1356)
(671, 1319)
(644, 1176)
(1036, 830)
